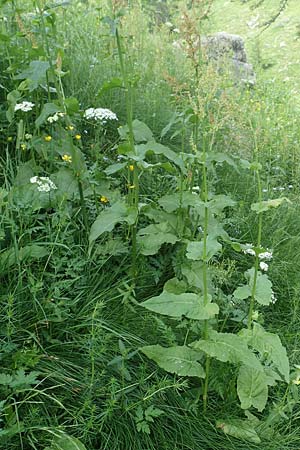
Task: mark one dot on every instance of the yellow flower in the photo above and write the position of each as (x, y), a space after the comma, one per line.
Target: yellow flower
(67, 158)
(131, 167)
(48, 138)
(9, 139)
(70, 127)
(104, 199)
(23, 146)
(78, 137)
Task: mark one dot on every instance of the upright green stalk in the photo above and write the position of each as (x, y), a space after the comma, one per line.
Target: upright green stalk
(205, 284)
(258, 244)
(134, 198)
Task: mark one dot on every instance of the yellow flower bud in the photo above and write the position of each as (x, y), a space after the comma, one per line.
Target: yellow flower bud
(48, 138)
(104, 199)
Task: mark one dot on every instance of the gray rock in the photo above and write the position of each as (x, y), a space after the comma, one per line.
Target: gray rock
(228, 51)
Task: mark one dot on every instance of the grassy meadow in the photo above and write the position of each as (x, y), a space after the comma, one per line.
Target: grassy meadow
(149, 239)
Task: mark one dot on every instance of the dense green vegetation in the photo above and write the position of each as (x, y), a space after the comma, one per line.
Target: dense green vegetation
(149, 232)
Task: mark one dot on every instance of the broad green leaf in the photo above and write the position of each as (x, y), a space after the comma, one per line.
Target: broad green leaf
(263, 292)
(12, 99)
(111, 84)
(220, 158)
(240, 429)
(114, 168)
(107, 219)
(194, 250)
(193, 272)
(159, 149)
(64, 441)
(177, 305)
(175, 286)
(141, 131)
(72, 105)
(10, 258)
(152, 237)
(242, 292)
(228, 347)
(178, 359)
(67, 183)
(172, 202)
(270, 348)
(35, 74)
(252, 388)
(268, 204)
(219, 202)
(48, 110)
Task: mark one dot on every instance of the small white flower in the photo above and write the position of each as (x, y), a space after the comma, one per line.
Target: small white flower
(273, 298)
(249, 250)
(54, 118)
(24, 106)
(101, 114)
(265, 190)
(176, 30)
(263, 266)
(268, 255)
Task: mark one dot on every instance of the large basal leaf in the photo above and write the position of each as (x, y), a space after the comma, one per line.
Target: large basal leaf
(177, 305)
(179, 359)
(152, 237)
(66, 442)
(228, 347)
(240, 429)
(270, 348)
(107, 219)
(252, 388)
(195, 250)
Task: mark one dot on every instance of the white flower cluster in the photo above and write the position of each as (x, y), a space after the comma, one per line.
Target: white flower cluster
(44, 184)
(263, 266)
(24, 106)
(55, 118)
(249, 250)
(101, 114)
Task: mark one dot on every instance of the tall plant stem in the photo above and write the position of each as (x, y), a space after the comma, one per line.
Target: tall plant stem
(134, 199)
(205, 283)
(258, 244)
